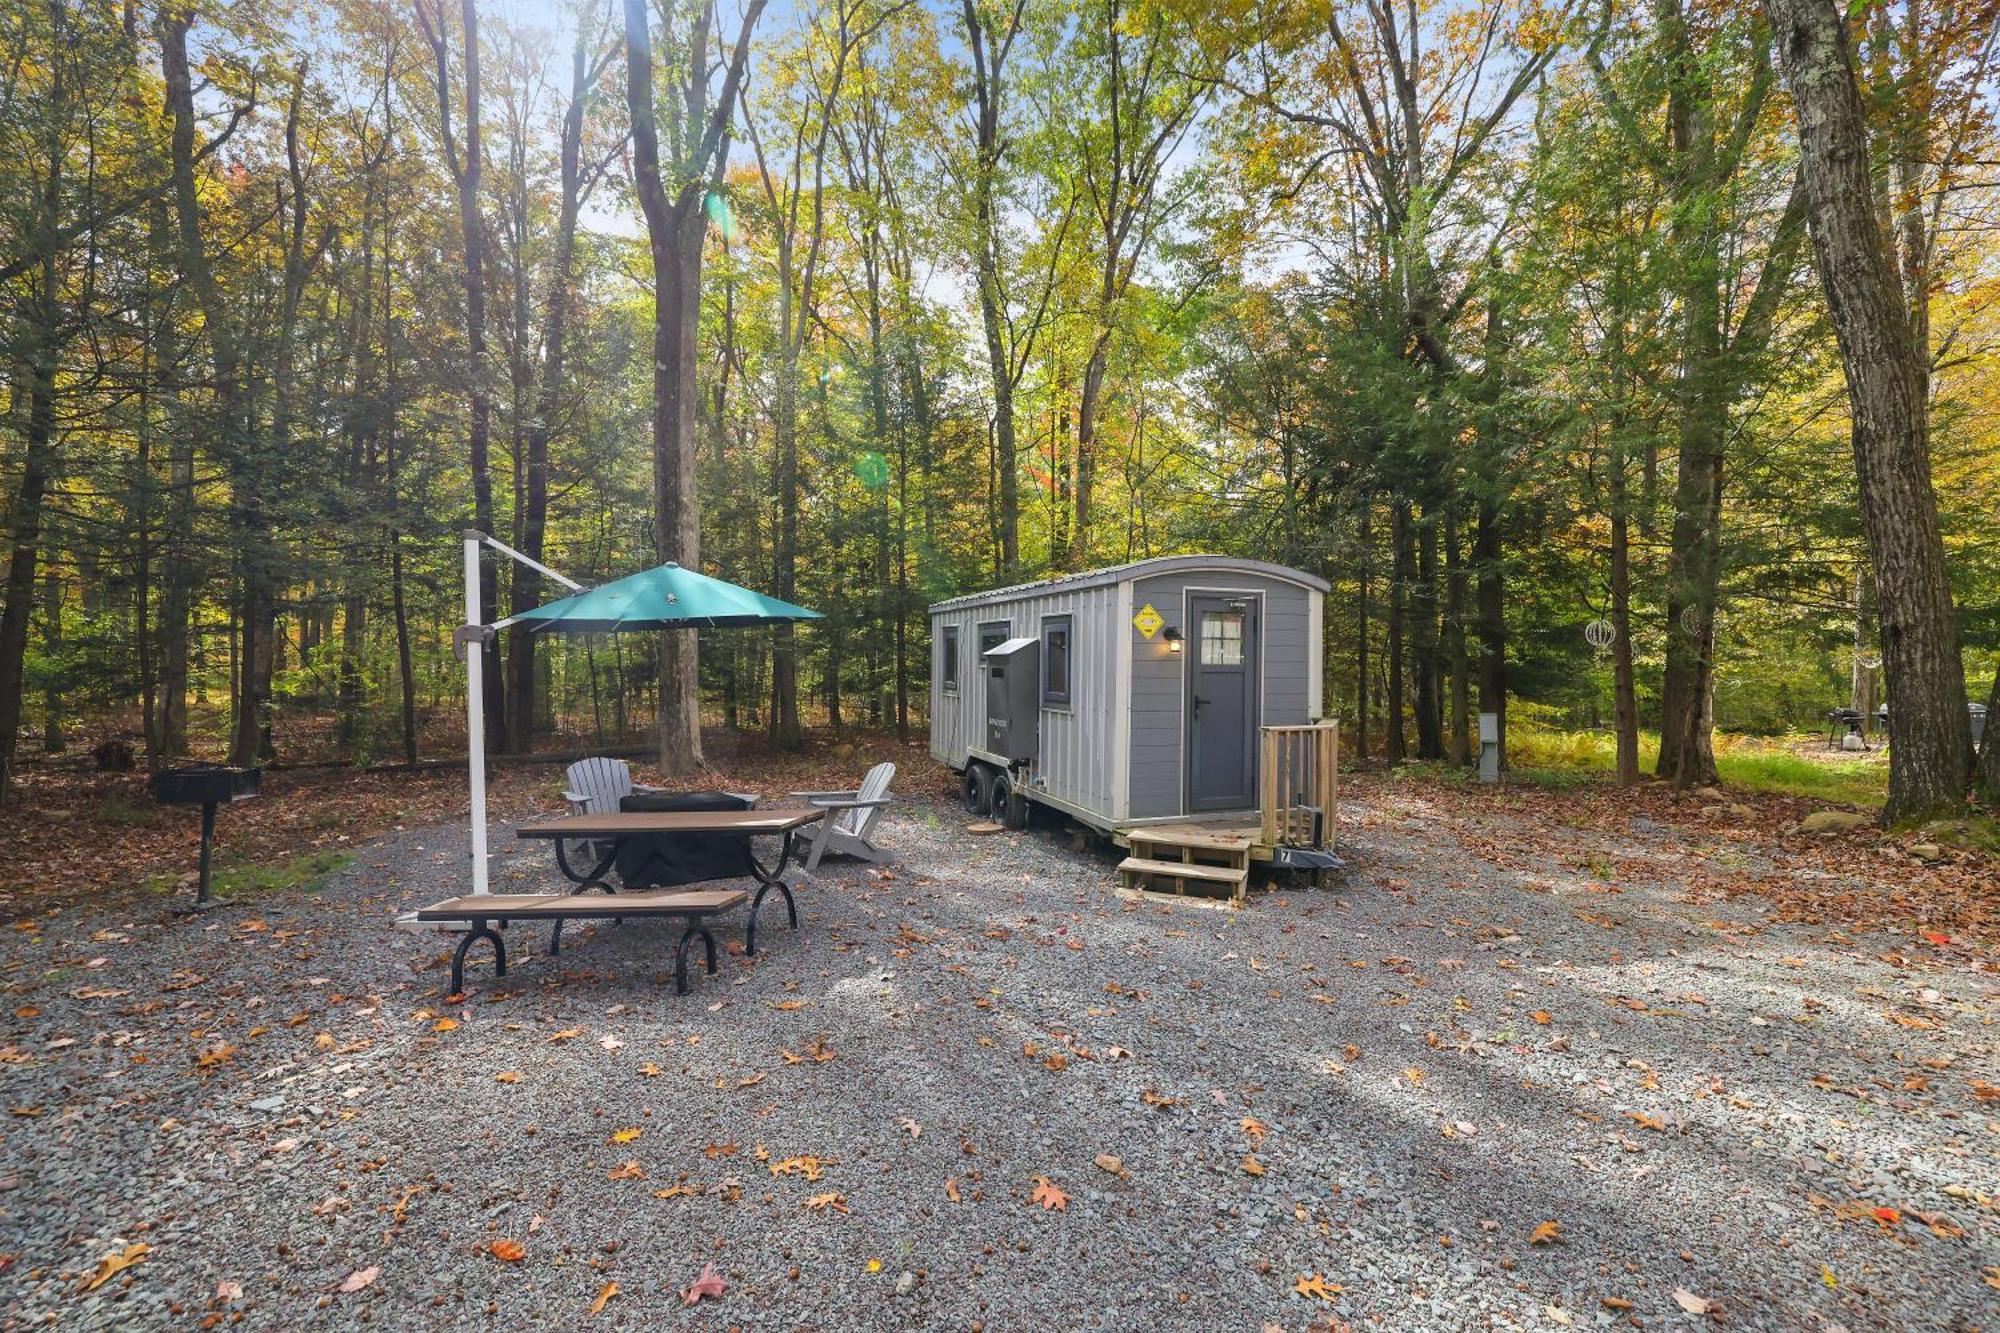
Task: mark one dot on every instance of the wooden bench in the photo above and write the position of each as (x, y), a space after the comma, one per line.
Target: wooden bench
(695, 906)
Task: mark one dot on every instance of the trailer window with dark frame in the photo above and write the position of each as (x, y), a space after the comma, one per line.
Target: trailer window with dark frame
(948, 651)
(1056, 640)
(993, 633)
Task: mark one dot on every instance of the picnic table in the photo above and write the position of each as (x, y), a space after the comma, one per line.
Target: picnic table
(610, 831)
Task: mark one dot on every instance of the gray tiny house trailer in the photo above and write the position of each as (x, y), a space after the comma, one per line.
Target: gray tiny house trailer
(1167, 703)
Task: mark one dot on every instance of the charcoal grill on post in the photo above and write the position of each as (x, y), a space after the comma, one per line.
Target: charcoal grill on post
(205, 785)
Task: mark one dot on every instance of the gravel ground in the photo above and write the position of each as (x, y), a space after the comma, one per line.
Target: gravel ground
(1471, 1085)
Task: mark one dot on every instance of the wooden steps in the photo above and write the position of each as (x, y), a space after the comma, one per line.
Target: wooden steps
(1184, 862)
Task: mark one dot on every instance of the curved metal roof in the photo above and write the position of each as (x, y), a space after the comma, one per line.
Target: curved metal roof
(1137, 569)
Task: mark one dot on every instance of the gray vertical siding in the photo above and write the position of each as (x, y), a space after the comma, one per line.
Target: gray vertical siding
(1076, 750)
(1125, 716)
(1288, 661)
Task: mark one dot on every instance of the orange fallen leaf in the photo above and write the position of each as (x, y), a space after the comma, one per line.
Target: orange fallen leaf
(111, 1265)
(567, 1034)
(1251, 1166)
(507, 1076)
(444, 1025)
(509, 1251)
(1545, 1234)
(1048, 1195)
(1255, 1128)
(831, 1202)
(1542, 1017)
(604, 1296)
(631, 1170)
(1316, 1286)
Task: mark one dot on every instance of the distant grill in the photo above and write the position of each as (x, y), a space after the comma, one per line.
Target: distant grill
(205, 785)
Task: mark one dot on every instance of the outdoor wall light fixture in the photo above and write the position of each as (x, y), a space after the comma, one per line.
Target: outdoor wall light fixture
(1173, 638)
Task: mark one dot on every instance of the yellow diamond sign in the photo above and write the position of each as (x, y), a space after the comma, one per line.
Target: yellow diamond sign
(1148, 621)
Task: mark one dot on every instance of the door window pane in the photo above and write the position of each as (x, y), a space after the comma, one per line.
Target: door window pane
(1222, 638)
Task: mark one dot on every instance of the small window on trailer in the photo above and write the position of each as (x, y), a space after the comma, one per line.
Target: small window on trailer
(948, 655)
(1056, 640)
(993, 633)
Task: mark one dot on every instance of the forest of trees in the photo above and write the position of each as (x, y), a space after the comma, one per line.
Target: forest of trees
(1506, 316)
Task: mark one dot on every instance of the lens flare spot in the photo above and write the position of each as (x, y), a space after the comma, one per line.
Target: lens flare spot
(873, 470)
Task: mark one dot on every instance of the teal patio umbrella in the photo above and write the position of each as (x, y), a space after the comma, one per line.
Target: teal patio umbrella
(664, 597)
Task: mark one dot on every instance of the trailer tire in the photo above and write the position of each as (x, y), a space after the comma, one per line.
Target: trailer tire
(1009, 806)
(977, 789)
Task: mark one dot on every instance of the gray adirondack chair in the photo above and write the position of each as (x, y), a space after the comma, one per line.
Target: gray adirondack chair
(595, 786)
(850, 818)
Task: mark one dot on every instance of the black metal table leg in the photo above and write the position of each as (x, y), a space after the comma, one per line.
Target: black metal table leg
(480, 930)
(767, 880)
(594, 880)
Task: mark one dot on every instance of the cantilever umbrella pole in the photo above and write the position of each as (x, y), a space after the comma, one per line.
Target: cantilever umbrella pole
(472, 642)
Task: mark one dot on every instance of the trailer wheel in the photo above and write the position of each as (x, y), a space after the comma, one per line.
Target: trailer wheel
(977, 789)
(1009, 806)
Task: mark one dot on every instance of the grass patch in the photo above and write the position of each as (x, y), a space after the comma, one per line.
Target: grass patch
(1855, 783)
(306, 874)
(1549, 757)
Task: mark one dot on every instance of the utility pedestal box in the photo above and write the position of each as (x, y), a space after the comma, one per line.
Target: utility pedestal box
(1013, 697)
(1489, 747)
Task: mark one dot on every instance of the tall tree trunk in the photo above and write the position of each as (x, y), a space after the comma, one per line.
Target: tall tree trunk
(467, 168)
(526, 588)
(1403, 553)
(1458, 743)
(1490, 591)
(675, 230)
(25, 520)
(989, 59)
(1624, 696)
(1361, 629)
(235, 429)
(1424, 603)
(1887, 385)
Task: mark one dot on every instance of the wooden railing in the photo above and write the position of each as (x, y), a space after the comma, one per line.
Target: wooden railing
(1298, 770)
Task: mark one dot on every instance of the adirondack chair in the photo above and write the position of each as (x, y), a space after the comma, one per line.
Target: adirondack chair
(851, 816)
(595, 786)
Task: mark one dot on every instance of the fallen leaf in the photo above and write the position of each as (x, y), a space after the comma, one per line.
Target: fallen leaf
(111, 1265)
(1251, 1166)
(1254, 1128)
(831, 1201)
(509, 1251)
(951, 1190)
(445, 1025)
(227, 1290)
(1048, 1196)
(631, 1170)
(1107, 1162)
(508, 1076)
(1545, 1234)
(1694, 1304)
(604, 1296)
(708, 1284)
(1312, 1284)
(627, 1135)
(359, 1278)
